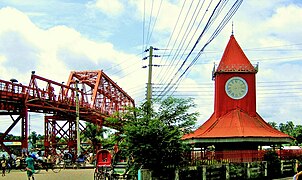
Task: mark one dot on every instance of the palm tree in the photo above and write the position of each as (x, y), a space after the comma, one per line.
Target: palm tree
(94, 133)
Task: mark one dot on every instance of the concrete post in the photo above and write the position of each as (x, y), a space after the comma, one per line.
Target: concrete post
(176, 174)
(296, 162)
(247, 170)
(282, 167)
(144, 174)
(227, 171)
(204, 172)
(264, 168)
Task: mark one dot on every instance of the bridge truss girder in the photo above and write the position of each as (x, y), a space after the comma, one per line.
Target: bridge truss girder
(99, 97)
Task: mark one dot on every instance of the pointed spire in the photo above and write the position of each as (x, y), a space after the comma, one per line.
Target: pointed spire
(232, 28)
(234, 59)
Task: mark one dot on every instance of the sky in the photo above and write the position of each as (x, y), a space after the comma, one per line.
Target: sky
(55, 37)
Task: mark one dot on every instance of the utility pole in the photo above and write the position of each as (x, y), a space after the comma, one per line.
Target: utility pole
(149, 85)
(29, 124)
(78, 119)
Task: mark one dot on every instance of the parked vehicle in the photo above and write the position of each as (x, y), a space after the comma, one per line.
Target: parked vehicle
(110, 167)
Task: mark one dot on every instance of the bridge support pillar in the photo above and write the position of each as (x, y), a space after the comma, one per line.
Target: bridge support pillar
(60, 134)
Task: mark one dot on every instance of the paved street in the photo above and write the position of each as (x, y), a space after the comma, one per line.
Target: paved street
(286, 178)
(66, 174)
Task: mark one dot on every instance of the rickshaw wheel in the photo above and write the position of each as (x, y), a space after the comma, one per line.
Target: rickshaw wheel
(99, 175)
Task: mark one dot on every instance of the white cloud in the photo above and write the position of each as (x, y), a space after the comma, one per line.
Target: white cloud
(49, 44)
(284, 22)
(110, 8)
(53, 52)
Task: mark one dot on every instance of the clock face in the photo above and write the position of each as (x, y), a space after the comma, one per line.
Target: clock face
(236, 88)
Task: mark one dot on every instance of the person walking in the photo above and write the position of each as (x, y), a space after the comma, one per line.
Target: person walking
(30, 167)
(3, 165)
(298, 176)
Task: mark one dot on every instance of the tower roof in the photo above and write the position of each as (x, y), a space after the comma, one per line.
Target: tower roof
(234, 59)
(238, 124)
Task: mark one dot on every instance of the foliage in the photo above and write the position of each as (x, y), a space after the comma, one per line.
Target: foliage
(273, 124)
(273, 164)
(154, 140)
(35, 139)
(175, 112)
(290, 129)
(236, 170)
(287, 128)
(94, 133)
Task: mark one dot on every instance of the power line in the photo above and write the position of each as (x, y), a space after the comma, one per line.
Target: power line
(151, 12)
(165, 78)
(144, 21)
(212, 18)
(149, 38)
(173, 31)
(125, 61)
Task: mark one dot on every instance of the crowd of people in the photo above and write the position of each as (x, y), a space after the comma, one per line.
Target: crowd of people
(7, 163)
(27, 161)
(70, 158)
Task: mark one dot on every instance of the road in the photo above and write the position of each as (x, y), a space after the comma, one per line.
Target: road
(286, 178)
(66, 174)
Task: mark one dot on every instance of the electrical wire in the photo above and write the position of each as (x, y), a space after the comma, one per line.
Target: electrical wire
(120, 70)
(222, 24)
(173, 31)
(149, 38)
(181, 44)
(144, 21)
(150, 18)
(217, 31)
(212, 15)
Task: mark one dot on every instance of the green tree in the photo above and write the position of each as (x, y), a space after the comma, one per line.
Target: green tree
(273, 124)
(154, 140)
(298, 134)
(33, 138)
(95, 134)
(287, 128)
(290, 129)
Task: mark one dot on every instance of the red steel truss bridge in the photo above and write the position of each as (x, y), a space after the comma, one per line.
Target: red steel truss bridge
(98, 98)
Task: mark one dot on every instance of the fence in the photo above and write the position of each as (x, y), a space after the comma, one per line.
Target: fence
(240, 155)
(228, 165)
(228, 171)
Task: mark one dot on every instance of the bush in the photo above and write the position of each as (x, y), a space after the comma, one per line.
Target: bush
(273, 164)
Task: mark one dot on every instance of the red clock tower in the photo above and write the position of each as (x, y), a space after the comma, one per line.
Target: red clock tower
(235, 82)
(235, 124)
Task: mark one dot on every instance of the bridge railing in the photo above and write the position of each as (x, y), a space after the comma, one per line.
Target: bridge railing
(45, 89)
(11, 88)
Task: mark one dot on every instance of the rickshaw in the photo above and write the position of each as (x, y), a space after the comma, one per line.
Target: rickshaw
(109, 167)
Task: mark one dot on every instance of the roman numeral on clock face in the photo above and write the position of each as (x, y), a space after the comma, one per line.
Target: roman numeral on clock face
(236, 88)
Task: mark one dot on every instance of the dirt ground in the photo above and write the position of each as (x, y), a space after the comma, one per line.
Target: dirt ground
(66, 174)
